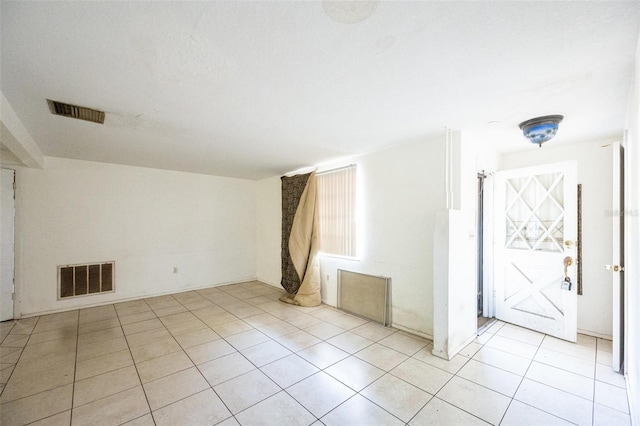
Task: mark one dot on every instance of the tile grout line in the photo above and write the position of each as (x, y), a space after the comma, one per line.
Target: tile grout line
(133, 360)
(522, 379)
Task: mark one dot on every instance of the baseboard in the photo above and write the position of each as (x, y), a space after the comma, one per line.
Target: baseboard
(128, 299)
(594, 334)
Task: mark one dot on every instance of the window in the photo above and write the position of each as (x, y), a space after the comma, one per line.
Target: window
(337, 211)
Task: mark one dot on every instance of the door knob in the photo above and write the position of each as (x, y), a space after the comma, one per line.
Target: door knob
(614, 268)
(568, 261)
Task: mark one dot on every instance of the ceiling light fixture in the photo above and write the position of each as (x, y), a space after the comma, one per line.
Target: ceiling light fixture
(541, 129)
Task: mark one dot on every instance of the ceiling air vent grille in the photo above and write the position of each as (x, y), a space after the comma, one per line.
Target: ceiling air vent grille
(75, 111)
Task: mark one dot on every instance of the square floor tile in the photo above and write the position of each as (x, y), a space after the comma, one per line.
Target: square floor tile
(173, 387)
(381, 356)
(491, 377)
(612, 397)
(163, 366)
(231, 328)
(178, 318)
(139, 327)
(297, 340)
(320, 393)
(244, 391)
(36, 407)
(137, 317)
(362, 409)
(522, 414)
(497, 358)
(350, 342)
(605, 416)
(324, 330)
(260, 320)
(323, 355)
(568, 348)
(209, 351)
(185, 327)
(225, 368)
(355, 373)
(605, 373)
(279, 409)
(36, 375)
(148, 337)
(452, 366)
(196, 338)
(604, 357)
(561, 379)
(97, 387)
(60, 419)
(346, 322)
(396, 396)
(484, 403)
(570, 363)
(289, 370)
(553, 401)
(440, 413)
(265, 353)
(520, 334)
(154, 350)
(247, 339)
(303, 320)
(279, 328)
(402, 343)
(424, 376)
(512, 346)
(204, 408)
(373, 331)
(470, 350)
(98, 349)
(114, 409)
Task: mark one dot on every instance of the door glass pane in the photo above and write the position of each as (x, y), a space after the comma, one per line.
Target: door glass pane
(534, 212)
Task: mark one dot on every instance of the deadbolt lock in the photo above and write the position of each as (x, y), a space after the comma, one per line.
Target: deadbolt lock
(614, 268)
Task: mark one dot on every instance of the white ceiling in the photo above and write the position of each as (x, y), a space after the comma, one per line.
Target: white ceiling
(256, 89)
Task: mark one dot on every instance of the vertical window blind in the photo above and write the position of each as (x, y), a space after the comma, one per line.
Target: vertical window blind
(337, 211)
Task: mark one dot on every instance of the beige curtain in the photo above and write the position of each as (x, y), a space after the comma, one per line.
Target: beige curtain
(300, 240)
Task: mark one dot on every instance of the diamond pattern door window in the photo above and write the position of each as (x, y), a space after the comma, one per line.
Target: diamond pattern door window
(534, 213)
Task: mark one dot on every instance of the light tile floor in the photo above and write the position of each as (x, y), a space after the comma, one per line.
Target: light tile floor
(235, 355)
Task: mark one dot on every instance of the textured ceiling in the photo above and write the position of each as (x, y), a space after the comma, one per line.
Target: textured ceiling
(256, 89)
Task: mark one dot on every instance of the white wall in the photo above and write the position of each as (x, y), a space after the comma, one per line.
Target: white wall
(455, 277)
(148, 221)
(400, 190)
(269, 230)
(596, 176)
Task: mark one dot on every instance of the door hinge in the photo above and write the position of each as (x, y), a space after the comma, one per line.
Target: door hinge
(13, 296)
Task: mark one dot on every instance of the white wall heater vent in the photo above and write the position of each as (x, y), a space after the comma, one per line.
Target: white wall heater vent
(364, 295)
(85, 279)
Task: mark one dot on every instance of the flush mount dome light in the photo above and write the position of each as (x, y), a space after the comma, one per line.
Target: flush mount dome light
(541, 129)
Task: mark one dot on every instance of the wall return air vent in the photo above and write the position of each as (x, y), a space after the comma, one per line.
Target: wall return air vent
(85, 279)
(75, 111)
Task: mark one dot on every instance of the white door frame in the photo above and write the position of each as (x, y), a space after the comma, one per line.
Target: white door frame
(7, 270)
(617, 268)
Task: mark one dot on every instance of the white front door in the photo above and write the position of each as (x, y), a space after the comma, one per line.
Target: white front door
(6, 244)
(535, 245)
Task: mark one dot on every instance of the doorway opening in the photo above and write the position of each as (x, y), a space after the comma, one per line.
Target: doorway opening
(483, 318)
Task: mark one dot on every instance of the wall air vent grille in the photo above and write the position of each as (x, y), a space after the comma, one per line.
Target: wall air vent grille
(75, 111)
(84, 279)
